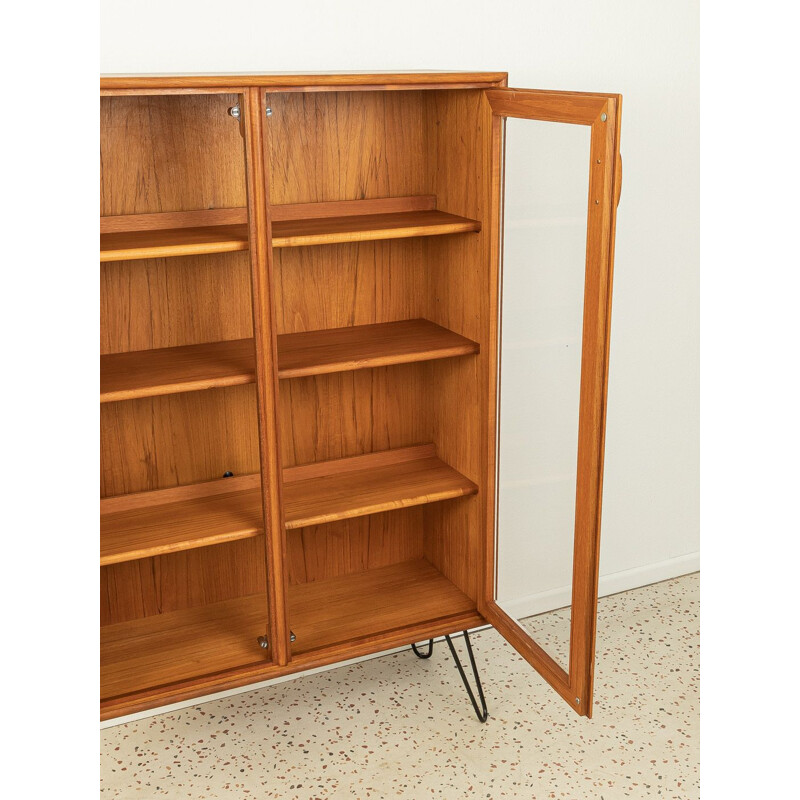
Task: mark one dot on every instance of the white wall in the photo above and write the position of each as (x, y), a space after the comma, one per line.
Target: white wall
(645, 50)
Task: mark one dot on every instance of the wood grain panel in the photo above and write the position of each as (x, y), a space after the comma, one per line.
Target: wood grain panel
(345, 146)
(182, 525)
(296, 232)
(369, 484)
(176, 581)
(171, 302)
(136, 526)
(369, 227)
(577, 109)
(361, 346)
(168, 220)
(304, 81)
(174, 440)
(460, 293)
(223, 680)
(344, 609)
(318, 552)
(169, 370)
(169, 154)
(349, 413)
(169, 243)
(127, 223)
(154, 651)
(351, 208)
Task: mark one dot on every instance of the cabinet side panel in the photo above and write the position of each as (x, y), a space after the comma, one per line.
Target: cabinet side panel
(459, 148)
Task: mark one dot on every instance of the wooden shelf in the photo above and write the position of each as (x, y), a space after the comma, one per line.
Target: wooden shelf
(339, 610)
(168, 370)
(186, 644)
(364, 346)
(146, 373)
(167, 648)
(169, 520)
(352, 487)
(130, 245)
(224, 230)
(369, 227)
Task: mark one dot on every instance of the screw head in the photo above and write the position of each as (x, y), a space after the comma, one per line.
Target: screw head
(262, 642)
(235, 112)
(268, 111)
(577, 701)
(603, 116)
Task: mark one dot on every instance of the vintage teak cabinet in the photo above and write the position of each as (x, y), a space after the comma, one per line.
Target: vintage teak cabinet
(300, 360)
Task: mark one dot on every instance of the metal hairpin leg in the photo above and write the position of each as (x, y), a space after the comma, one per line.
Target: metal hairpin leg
(423, 655)
(482, 713)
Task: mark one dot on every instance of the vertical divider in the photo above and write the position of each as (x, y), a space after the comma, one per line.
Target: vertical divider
(265, 335)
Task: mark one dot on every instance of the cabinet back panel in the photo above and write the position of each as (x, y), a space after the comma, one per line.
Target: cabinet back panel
(346, 145)
(162, 153)
(350, 413)
(166, 302)
(158, 585)
(177, 439)
(354, 545)
(333, 286)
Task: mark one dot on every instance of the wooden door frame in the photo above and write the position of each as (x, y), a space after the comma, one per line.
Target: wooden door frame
(253, 106)
(602, 113)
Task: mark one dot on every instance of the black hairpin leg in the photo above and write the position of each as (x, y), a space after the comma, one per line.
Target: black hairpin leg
(482, 713)
(423, 655)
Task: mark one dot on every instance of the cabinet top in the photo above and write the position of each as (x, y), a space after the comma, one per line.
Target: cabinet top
(301, 81)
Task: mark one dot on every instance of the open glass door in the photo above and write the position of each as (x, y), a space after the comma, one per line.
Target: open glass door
(555, 253)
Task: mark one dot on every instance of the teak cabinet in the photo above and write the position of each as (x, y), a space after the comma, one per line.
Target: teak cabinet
(300, 288)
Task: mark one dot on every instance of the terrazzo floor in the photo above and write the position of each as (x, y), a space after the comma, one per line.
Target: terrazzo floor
(397, 726)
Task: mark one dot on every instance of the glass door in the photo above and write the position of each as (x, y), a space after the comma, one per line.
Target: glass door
(554, 238)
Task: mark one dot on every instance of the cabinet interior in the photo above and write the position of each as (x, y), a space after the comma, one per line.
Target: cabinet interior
(379, 205)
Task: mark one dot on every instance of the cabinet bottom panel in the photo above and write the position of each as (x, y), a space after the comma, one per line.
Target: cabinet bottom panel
(337, 611)
(159, 660)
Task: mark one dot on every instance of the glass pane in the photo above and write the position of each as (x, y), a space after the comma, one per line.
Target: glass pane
(544, 255)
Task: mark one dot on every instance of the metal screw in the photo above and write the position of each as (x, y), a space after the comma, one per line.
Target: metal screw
(603, 117)
(235, 112)
(269, 111)
(262, 642)
(597, 202)
(577, 700)
(599, 161)
(292, 637)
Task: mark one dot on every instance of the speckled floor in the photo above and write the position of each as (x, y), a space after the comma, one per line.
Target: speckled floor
(397, 726)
